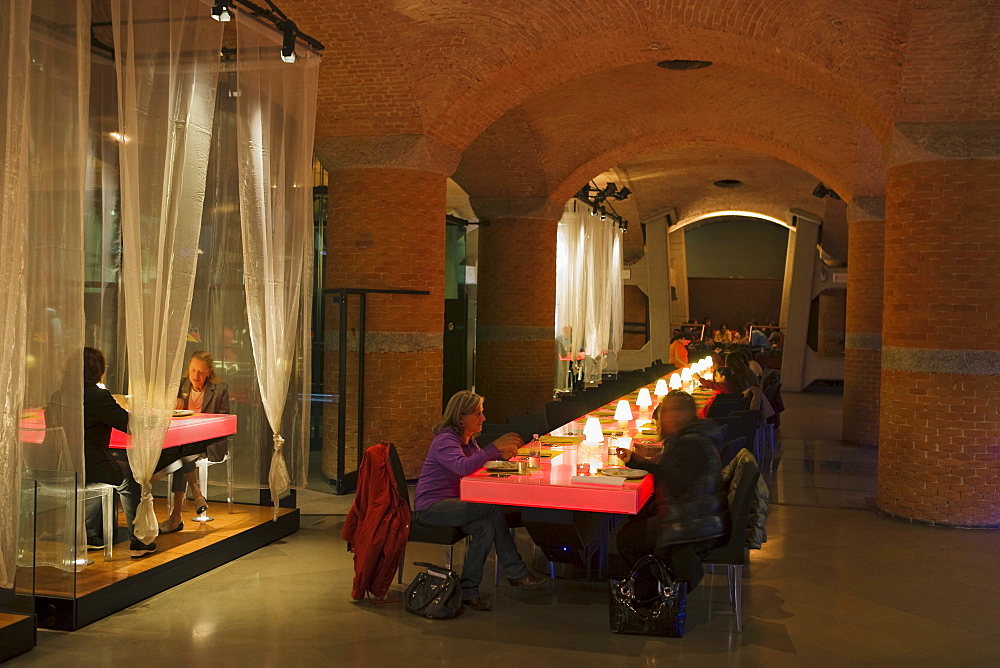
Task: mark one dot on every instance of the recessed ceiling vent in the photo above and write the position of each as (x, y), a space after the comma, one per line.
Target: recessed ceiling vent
(683, 64)
(728, 183)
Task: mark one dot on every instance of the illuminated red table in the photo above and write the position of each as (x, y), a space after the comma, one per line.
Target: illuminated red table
(551, 487)
(182, 430)
(188, 429)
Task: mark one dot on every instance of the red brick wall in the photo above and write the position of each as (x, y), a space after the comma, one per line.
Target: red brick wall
(515, 350)
(386, 230)
(863, 354)
(939, 437)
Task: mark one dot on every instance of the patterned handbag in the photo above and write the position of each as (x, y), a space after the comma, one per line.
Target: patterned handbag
(649, 601)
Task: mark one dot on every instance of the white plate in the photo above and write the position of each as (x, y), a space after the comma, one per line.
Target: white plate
(180, 413)
(500, 466)
(622, 471)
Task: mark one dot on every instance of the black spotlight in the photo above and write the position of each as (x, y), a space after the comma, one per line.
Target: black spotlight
(822, 191)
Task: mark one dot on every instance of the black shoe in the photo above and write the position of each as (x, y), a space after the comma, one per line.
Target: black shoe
(529, 581)
(476, 603)
(139, 549)
(95, 544)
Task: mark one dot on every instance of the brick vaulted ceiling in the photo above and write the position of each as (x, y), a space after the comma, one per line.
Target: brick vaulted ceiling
(539, 96)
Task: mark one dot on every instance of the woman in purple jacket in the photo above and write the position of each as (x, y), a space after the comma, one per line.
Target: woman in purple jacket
(454, 454)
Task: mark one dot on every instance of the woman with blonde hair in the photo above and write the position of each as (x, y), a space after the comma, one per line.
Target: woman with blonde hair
(454, 454)
(201, 391)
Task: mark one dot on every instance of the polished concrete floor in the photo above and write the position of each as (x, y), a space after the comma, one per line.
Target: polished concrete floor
(835, 584)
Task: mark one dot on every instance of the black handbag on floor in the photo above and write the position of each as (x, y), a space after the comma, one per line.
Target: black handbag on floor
(435, 593)
(649, 601)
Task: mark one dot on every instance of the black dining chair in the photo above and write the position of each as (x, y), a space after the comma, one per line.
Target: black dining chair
(750, 425)
(733, 554)
(725, 404)
(730, 448)
(421, 533)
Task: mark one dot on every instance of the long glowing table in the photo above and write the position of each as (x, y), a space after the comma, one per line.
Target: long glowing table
(552, 487)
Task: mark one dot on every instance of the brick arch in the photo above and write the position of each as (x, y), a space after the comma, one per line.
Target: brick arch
(449, 69)
(554, 143)
(669, 140)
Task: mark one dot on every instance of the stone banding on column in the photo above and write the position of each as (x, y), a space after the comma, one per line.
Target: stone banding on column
(936, 360)
(513, 333)
(863, 341)
(390, 342)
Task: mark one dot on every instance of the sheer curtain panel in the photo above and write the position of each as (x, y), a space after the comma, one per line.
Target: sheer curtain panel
(167, 56)
(276, 109)
(589, 289)
(15, 22)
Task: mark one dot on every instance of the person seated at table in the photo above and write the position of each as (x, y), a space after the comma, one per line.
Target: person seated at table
(687, 516)
(723, 336)
(454, 454)
(719, 384)
(101, 414)
(201, 391)
(741, 377)
(740, 336)
(758, 340)
(679, 350)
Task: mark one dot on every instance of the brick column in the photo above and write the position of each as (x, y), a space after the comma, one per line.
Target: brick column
(832, 313)
(939, 437)
(515, 331)
(863, 338)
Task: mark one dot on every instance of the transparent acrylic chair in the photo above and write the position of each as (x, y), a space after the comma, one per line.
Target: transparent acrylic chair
(47, 462)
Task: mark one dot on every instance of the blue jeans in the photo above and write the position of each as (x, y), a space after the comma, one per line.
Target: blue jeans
(486, 525)
(130, 493)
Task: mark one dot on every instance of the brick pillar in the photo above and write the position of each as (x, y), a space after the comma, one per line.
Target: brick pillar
(832, 313)
(863, 340)
(386, 230)
(515, 338)
(939, 436)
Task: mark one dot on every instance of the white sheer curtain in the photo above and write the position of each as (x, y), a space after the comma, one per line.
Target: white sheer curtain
(15, 21)
(167, 56)
(276, 109)
(60, 87)
(589, 291)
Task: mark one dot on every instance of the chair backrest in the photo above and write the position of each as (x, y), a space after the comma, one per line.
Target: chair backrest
(739, 513)
(725, 404)
(748, 422)
(398, 474)
(730, 448)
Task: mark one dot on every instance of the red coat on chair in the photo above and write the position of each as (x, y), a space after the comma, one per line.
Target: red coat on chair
(378, 525)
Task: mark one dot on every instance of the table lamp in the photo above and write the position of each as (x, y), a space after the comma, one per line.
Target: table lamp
(592, 432)
(686, 378)
(675, 381)
(661, 388)
(623, 413)
(644, 401)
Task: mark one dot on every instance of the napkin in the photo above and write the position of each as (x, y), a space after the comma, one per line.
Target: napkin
(605, 480)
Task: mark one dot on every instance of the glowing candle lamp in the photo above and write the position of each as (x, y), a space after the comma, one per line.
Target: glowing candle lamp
(644, 401)
(661, 388)
(592, 432)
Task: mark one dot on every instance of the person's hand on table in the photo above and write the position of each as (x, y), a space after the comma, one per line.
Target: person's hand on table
(624, 455)
(508, 444)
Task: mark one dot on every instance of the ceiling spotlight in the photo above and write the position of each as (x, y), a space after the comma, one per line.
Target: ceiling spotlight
(822, 191)
(604, 216)
(622, 194)
(221, 11)
(288, 42)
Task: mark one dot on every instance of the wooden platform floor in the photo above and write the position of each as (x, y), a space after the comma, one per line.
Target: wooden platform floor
(195, 536)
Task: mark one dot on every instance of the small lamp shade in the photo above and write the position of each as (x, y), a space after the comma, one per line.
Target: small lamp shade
(661, 388)
(644, 401)
(675, 381)
(592, 431)
(623, 413)
(686, 375)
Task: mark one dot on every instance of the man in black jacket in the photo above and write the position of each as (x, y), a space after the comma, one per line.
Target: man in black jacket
(687, 514)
